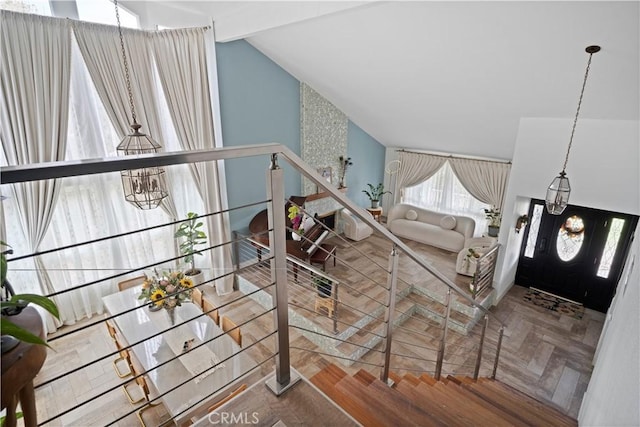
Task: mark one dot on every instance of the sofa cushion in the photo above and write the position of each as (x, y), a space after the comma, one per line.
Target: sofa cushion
(411, 215)
(448, 222)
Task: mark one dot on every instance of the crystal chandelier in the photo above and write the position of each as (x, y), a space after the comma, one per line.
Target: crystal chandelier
(145, 187)
(559, 189)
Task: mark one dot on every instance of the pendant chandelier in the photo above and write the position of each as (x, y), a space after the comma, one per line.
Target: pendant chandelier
(559, 189)
(145, 187)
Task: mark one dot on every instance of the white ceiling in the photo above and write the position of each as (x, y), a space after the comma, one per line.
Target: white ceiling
(448, 76)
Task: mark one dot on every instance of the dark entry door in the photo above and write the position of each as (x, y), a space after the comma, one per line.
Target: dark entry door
(578, 255)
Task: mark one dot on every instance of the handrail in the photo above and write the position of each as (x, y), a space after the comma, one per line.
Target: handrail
(61, 169)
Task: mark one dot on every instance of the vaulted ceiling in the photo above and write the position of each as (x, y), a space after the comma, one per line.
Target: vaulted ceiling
(448, 76)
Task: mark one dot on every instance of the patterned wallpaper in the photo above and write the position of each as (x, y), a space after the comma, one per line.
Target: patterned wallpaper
(323, 140)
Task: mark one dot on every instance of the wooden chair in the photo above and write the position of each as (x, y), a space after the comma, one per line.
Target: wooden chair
(211, 311)
(196, 297)
(229, 327)
(227, 398)
(140, 383)
(124, 355)
(130, 283)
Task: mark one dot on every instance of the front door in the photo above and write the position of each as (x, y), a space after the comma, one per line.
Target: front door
(577, 255)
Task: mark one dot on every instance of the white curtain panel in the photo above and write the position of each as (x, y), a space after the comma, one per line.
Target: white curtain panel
(34, 92)
(416, 168)
(100, 47)
(485, 180)
(182, 66)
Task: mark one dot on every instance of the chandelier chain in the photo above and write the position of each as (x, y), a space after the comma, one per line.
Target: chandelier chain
(126, 64)
(575, 120)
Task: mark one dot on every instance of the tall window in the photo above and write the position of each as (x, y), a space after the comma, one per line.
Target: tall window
(443, 192)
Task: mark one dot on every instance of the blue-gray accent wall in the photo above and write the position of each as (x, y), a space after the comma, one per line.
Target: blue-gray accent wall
(260, 103)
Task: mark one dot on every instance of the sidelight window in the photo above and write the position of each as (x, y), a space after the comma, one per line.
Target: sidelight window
(610, 246)
(534, 228)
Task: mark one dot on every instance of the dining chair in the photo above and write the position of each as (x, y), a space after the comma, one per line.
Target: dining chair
(229, 327)
(196, 297)
(123, 354)
(139, 383)
(227, 398)
(130, 283)
(211, 310)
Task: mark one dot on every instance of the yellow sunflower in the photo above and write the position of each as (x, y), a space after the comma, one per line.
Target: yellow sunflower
(186, 282)
(157, 296)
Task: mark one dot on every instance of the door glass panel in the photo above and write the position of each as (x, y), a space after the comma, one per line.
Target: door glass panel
(534, 227)
(610, 247)
(570, 238)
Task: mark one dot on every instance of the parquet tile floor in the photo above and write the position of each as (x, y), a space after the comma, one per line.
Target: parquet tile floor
(545, 354)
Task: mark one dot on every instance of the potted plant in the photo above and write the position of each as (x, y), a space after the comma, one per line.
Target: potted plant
(12, 305)
(494, 217)
(190, 230)
(375, 193)
(522, 221)
(323, 285)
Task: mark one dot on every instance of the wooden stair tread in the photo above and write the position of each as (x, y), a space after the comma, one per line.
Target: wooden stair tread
(519, 407)
(395, 378)
(428, 379)
(364, 377)
(324, 380)
(528, 403)
(411, 379)
(431, 405)
(481, 408)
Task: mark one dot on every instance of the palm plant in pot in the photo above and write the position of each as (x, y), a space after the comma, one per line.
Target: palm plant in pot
(191, 231)
(375, 193)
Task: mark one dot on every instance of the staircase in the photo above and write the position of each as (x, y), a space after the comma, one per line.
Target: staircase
(423, 401)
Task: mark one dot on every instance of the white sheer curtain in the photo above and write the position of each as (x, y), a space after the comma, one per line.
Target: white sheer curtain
(182, 67)
(100, 47)
(415, 168)
(485, 180)
(34, 92)
(443, 192)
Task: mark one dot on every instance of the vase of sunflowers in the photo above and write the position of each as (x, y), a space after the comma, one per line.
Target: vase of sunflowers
(167, 290)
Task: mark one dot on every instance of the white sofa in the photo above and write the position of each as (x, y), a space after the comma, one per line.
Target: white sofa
(354, 227)
(444, 231)
(481, 245)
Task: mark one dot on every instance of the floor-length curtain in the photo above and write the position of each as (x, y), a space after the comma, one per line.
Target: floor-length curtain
(182, 67)
(416, 168)
(34, 92)
(100, 47)
(484, 180)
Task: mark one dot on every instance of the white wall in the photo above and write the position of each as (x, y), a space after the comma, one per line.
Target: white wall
(613, 393)
(603, 170)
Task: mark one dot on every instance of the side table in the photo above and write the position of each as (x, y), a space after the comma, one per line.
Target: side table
(376, 213)
(19, 368)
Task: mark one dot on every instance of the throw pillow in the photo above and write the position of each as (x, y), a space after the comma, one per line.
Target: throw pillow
(411, 215)
(448, 222)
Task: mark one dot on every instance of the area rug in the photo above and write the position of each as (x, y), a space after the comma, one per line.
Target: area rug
(551, 302)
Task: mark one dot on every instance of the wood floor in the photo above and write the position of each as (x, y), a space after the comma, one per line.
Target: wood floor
(545, 354)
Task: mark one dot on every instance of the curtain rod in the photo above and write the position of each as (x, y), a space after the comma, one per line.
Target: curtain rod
(452, 156)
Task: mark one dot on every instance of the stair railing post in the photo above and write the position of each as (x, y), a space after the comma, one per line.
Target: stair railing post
(482, 336)
(392, 280)
(495, 362)
(283, 378)
(443, 338)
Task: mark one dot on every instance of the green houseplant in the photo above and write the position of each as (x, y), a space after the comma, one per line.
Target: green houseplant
(494, 217)
(191, 231)
(375, 193)
(13, 304)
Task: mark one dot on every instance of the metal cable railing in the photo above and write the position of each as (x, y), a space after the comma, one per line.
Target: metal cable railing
(380, 326)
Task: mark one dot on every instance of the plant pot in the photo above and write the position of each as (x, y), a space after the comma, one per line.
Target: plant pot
(197, 276)
(374, 204)
(493, 231)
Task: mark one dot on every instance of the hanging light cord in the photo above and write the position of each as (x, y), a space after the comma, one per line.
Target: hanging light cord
(126, 66)
(575, 120)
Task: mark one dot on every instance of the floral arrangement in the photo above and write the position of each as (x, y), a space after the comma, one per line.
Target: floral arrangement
(168, 289)
(345, 162)
(299, 220)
